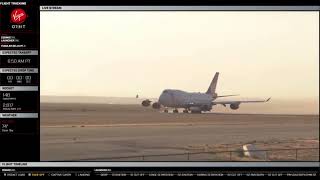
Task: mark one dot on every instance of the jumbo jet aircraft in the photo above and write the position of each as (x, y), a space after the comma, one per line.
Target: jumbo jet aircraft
(195, 102)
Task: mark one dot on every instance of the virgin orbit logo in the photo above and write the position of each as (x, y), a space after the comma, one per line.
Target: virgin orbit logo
(18, 16)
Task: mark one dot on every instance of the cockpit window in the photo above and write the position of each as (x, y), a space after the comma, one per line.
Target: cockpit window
(165, 91)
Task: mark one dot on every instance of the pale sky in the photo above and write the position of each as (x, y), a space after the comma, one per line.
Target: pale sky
(121, 54)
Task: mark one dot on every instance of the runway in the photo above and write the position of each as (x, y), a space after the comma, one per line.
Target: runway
(74, 132)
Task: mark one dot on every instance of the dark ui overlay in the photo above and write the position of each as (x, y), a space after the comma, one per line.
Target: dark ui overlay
(181, 2)
(19, 81)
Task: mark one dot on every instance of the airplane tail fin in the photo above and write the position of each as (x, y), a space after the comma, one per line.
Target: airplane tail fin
(213, 85)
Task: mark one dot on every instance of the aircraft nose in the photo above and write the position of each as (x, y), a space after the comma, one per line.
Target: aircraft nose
(161, 99)
(164, 99)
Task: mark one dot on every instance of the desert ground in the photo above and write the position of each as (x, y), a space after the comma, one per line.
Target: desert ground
(111, 132)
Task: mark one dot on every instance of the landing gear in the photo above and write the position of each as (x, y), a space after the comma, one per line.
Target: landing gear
(166, 111)
(185, 111)
(175, 111)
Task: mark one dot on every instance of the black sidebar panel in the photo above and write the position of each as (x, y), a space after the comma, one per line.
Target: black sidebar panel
(19, 80)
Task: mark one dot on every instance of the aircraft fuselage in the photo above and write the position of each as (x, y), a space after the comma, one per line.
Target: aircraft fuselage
(181, 99)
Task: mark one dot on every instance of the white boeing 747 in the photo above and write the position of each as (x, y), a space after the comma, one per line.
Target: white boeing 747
(195, 102)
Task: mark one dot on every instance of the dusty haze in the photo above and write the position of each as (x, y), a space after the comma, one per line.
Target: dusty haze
(276, 106)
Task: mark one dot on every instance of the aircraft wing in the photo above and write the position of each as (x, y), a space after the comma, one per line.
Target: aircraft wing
(224, 102)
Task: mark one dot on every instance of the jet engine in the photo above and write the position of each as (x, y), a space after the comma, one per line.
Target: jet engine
(195, 109)
(206, 108)
(156, 105)
(234, 106)
(146, 103)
